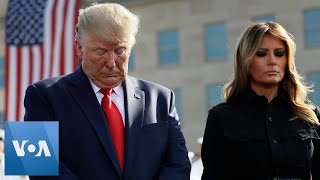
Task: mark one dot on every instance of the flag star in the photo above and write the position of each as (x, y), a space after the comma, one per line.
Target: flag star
(19, 18)
(16, 41)
(28, 27)
(32, 21)
(27, 36)
(32, 40)
(23, 23)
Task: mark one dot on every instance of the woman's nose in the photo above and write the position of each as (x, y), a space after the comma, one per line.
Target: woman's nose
(272, 59)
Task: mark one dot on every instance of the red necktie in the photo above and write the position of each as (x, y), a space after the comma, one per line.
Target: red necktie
(115, 123)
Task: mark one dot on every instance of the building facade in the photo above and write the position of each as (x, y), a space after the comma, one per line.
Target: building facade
(187, 45)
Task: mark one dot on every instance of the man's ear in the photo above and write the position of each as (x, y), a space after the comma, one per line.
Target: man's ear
(78, 48)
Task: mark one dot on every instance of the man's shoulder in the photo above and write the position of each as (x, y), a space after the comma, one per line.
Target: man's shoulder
(49, 86)
(147, 85)
(61, 81)
(49, 82)
(57, 82)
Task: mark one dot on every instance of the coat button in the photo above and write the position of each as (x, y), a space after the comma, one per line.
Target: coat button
(274, 141)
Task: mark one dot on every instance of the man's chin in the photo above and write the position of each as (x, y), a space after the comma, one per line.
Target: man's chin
(112, 84)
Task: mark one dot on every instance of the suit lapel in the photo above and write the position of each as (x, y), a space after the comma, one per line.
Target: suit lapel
(83, 94)
(134, 108)
(134, 101)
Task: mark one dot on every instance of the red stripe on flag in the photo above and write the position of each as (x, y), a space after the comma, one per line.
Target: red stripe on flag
(31, 69)
(18, 83)
(6, 83)
(41, 61)
(62, 53)
(53, 32)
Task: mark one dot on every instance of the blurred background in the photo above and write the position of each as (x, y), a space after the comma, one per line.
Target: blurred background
(187, 45)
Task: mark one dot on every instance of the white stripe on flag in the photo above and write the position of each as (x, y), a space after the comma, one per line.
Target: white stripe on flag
(57, 38)
(47, 38)
(68, 58)
(25, 68)
(12, 79)
(36, 64)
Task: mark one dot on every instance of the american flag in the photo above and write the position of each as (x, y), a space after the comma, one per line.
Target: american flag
(39, 44)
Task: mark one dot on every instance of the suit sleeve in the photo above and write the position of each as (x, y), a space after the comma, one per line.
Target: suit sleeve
(38, 108)
(212, 149)
(177, 164)
(316, 158)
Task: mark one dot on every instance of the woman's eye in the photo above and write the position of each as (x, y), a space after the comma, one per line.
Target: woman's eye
(99, 52)
(120, 51)
(279, 53)
(261, 53)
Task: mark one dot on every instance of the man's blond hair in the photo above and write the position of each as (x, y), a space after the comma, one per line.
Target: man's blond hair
(109, 21)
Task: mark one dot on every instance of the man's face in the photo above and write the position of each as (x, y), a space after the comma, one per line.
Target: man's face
(104, 62)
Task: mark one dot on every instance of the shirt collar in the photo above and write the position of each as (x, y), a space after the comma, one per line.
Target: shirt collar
(118, 89)
(253, 96)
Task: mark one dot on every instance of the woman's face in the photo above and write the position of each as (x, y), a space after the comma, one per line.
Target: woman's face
(269, 63)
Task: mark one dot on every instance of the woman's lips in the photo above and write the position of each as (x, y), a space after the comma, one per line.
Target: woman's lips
(273, 72)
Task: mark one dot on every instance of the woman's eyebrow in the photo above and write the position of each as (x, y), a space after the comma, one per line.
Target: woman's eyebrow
(280, 49)
(265, 49)
(276, 49)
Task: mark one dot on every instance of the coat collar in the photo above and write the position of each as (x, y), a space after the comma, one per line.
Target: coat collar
(134, 101)
(249, 96)
(134, 110)
(83, 94)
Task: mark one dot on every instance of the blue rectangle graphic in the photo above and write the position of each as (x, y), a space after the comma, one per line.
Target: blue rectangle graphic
(32, 148)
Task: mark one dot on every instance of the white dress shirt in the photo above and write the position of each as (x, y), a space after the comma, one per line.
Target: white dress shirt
(117, 96)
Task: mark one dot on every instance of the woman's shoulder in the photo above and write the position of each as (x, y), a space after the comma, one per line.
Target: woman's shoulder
(222, 107)
(232, 103)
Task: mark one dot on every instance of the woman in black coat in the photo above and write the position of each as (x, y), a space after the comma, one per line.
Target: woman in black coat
(267, 129)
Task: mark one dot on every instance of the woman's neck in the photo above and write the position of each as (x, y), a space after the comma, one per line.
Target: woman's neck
(270, 92)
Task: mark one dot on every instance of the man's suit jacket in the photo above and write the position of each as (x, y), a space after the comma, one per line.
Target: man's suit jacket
(154, 144)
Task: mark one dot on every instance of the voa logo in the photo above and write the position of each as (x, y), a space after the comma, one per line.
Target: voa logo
(41, 148)
(32, 148)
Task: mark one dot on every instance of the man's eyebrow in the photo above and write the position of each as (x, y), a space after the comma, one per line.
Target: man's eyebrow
(98, 47)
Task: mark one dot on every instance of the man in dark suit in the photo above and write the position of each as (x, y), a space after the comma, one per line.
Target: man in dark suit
(147, 144)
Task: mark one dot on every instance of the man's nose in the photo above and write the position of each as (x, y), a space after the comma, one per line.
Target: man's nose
(111, 60)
